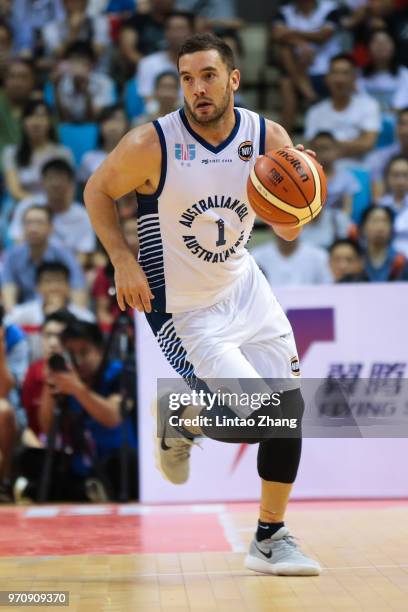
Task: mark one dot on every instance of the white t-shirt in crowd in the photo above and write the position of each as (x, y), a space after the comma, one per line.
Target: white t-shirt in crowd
(389, 200)
(72, 228)
(295, 20)
(149, 69)
(56, 32)
(390, 90)
(101, 89)
(342, 183)
(30, 176)
(90, 162)
(307, 265)
(327, 227)
(377, 160)
(361, 115)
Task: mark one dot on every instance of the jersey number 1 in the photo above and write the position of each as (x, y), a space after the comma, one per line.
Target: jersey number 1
(221, 234)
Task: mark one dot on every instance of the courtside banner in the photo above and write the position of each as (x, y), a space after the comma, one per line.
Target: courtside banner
(352, 334)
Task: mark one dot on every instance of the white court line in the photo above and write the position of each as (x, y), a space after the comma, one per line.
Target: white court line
(231, 533)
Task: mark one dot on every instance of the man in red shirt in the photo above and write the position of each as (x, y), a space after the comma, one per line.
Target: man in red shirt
(33, 385)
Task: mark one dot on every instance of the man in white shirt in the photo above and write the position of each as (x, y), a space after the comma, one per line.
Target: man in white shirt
(178, 26)
(70, 220)
(54, 293)
(292, 263)
(353, 119)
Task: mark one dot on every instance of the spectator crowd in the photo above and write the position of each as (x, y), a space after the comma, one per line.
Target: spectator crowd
(75, 76)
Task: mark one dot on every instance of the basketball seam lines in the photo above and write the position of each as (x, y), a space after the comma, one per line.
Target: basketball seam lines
(294, 182)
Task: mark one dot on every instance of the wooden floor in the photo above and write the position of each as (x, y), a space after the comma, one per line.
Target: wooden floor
(363, 548)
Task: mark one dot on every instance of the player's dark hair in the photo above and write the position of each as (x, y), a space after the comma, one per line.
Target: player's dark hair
(372, 209)
(342, 57)
(83, 330)
(43, 209)
(58, 165)
(207, 42)
(54, 267)
(346, 242)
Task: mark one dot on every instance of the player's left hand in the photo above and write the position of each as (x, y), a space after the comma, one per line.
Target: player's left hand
(301, 147)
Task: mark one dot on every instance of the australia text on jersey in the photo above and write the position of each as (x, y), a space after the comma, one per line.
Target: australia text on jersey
(202, 206)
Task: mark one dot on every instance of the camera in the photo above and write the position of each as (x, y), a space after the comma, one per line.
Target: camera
(57, 363)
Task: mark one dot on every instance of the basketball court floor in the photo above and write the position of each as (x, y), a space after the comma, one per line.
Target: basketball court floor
(189, 557)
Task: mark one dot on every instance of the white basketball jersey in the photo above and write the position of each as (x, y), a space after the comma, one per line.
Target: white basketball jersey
(194, 229)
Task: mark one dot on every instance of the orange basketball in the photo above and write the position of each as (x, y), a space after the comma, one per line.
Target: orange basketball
(287, 187)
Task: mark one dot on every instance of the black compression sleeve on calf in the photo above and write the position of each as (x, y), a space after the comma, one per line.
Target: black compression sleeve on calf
(278, 460)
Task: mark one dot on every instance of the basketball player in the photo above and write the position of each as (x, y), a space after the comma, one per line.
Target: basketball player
(209, 306)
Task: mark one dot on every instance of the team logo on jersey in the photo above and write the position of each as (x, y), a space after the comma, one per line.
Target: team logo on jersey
(246, 150)
(185, 152)
(294, 366)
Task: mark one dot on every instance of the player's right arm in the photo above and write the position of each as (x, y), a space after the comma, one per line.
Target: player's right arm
(134, 165)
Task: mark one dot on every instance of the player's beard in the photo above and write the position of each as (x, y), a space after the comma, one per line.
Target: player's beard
(214, 117)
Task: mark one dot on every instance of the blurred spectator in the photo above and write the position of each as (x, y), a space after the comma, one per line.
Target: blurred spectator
(22, 163)
(53, 293)
(103, 291)
(143, 34)
(80, 91)
(396, 185)
(70, 221)
(127, 206)
(28, 18)
(216, 14)
(112, 126)
(292, 263)
(377, 161)
(18, 86)
(383, 79)
(178, 26)
(21, 261)
(352, 118)
(377, 14)
(166, 97)
(6, 49)
(381, 260)
(305, 34)
(34, 380)
(76, 27)
(92, 422)
(13, 366)
(346, 261)
(341, 183)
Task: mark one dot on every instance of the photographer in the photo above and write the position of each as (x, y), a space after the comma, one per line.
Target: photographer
(13, 366)
(89, 388)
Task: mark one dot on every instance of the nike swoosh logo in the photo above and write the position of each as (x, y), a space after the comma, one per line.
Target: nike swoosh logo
(268, 555)
(163, 443)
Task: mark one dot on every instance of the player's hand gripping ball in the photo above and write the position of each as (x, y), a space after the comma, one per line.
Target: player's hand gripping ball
(287, 187)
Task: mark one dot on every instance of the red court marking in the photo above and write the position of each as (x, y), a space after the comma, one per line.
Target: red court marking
(150, 529)
(111, 534)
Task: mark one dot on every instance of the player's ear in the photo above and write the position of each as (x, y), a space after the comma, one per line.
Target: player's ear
(235, 78)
